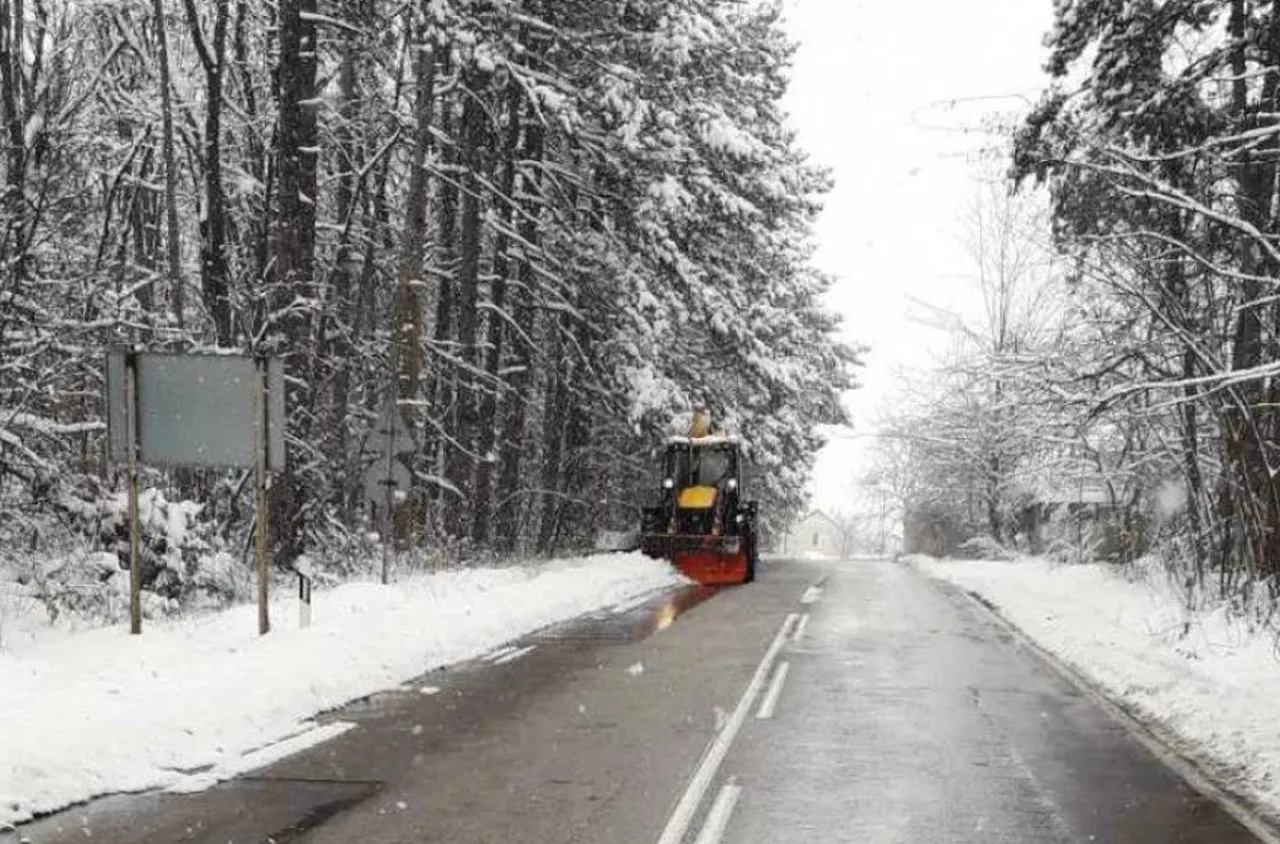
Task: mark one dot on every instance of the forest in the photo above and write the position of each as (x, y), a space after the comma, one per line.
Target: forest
(1121, 367)
(537, 230)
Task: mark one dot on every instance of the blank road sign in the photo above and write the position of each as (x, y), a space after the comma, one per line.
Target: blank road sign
(195, 410)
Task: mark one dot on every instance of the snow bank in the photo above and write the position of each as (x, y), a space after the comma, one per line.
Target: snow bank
(1204, 677)
(97, 712)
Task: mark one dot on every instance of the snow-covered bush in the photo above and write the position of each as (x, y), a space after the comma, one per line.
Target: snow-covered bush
(984, 548)
(18, 604)
(67, 561)
(180, 552)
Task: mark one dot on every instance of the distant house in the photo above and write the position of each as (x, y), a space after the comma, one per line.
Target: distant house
(1091, 516)
(815, 535)
(930, 530)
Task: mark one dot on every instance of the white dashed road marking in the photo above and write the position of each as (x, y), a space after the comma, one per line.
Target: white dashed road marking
(721, 810)
(770, 702)
(514, 655)
(682, 815)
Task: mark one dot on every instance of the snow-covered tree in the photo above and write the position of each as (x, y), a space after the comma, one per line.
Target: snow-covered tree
(1162, 166)
(541, 228)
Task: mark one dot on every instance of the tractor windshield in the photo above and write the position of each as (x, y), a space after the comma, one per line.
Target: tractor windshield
(701, 465)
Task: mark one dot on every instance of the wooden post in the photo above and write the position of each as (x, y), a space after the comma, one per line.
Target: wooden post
(135, 529)
(261, 516)
(389, 534)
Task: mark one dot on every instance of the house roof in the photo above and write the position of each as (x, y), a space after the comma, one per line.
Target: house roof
(710, 439)
(1080, 488)
(818, 513)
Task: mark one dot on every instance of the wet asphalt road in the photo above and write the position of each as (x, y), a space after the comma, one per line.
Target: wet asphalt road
(879, 707)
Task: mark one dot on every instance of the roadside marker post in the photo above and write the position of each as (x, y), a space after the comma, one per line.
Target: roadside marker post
(304, 601)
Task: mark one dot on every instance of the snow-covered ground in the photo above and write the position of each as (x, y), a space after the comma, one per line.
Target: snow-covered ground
(191, 701)
(1203, 677)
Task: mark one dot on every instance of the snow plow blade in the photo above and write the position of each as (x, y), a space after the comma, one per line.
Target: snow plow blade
(712, 569)
(708, 560)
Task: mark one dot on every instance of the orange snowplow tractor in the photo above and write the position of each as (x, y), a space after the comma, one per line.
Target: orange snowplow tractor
(712, 568)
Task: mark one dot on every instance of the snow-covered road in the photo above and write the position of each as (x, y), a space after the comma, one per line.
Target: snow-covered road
(179, 707)
(1206, 680)
(837, 701)
(907, 714)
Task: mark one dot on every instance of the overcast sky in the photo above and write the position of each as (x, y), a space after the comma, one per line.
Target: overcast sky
(882, 93)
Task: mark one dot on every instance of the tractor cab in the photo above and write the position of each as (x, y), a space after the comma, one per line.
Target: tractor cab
(701, 523)
(699, 475)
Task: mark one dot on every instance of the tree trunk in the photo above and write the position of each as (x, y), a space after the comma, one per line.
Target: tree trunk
(177, 292)
(295, 174)
(442, 331)
(554, 418)
(510, 504)
(144, 229)
(487, 421)
(406, 328)
(1179, 303)
(215, 285)
(13, 112)
(582, 477)
(335, 339)
(293, 279)
(460, 465)
(257, 160)
(1252, 503)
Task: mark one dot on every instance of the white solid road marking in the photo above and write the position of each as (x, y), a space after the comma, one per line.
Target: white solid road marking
(682, 815)
(770, 701)
(721, 810)
(804, 622)
(259, 757)
(514, 655)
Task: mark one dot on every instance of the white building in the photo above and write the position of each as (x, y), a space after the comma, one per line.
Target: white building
(815, 534)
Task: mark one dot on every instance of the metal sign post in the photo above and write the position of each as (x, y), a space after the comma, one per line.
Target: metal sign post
(261, 522)
(386, 475)
(389, 537)
(135, 529)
